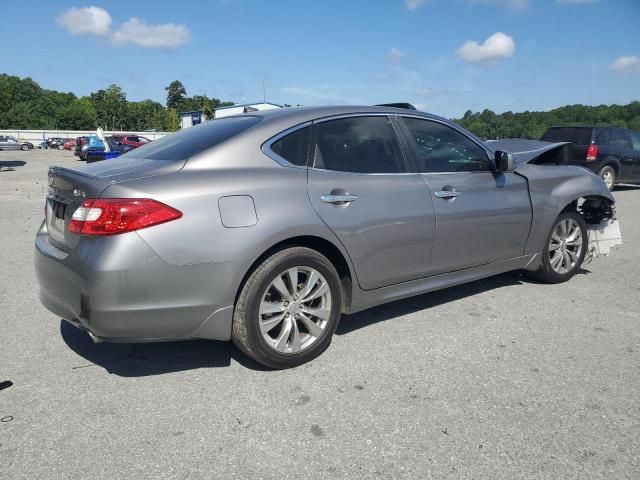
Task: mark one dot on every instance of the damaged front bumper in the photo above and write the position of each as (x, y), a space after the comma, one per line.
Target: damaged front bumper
(603, 237)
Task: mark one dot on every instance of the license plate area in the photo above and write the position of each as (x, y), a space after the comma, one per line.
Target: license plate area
(56, 211)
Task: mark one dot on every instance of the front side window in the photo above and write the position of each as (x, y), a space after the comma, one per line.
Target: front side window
(293, 147)
(440, 148)
(358, 145)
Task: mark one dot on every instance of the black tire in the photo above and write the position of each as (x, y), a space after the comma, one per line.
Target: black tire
(24, 148)
(608, 175)
(546, 273)
(60, 147)
(246, 334)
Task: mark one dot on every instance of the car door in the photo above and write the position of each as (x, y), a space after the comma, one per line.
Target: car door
(621, 145)
(359, 185)
(482, 216)
(635, 144)
(12, 144)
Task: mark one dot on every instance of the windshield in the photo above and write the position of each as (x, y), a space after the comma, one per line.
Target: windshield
(193, 140)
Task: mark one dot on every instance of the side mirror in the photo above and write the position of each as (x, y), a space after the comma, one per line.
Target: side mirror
(505, 161)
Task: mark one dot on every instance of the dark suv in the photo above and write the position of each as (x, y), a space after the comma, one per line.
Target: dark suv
(611, 152)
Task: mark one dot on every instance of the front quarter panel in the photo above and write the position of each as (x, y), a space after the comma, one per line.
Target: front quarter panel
(552, 188)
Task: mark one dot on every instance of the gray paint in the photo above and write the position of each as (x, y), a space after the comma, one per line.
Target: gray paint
(180, 279)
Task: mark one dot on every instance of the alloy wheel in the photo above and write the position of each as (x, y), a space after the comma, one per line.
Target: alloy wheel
(565, 246)
(295, 309)
(607, 176)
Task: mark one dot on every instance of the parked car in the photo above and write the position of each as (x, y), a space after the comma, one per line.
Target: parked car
(95, 154)
(69, 145)
(613, 153)
(8, 142)
(265, 227)
(56, 142)
(80, 142)
(133, 140)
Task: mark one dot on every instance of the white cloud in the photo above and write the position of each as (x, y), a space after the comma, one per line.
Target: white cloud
(626, 64)
(97, 21)
(512, 4)
(497, 47)
(138, 32)
(414, 4)
(395, 54)
(86, 21)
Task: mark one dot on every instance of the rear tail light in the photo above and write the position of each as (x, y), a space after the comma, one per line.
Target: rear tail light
(592, 153)
(111, 216)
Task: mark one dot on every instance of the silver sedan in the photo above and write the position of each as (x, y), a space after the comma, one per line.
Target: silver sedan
(264, 228)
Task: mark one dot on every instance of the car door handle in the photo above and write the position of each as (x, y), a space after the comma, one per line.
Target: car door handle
(338, 199)
(447, 194)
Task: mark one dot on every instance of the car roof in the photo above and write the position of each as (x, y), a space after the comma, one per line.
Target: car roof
(316, 112)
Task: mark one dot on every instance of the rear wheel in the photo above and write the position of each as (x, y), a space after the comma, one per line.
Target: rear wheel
(288, 309)
(565, 249)
(608, 174)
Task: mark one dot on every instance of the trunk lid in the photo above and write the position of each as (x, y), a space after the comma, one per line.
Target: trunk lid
(69, 187)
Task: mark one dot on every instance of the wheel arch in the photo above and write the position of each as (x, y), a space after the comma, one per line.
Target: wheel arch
(594, 208)
(321, 245)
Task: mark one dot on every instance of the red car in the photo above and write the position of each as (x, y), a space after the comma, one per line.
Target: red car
(133, 140)
(69, 145)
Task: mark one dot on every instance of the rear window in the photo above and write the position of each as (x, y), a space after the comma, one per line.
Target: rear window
(575, 135)
(193, 140)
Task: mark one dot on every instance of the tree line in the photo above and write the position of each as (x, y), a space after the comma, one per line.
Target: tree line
(25, 105)
(487, 124)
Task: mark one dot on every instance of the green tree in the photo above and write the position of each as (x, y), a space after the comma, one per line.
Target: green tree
(175, 93)
(172, 120)
(110, 106)
(79, 115)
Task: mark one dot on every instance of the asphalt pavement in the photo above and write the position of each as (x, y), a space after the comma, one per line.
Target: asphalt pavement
(504, 378)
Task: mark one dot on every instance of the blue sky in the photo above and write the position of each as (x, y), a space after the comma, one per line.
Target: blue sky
(446, 56)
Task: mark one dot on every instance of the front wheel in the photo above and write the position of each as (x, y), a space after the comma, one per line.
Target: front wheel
(565, 249)
(608, 174)
(288, 309)
(24, 148)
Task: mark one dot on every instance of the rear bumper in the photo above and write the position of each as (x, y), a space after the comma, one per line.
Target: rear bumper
(118, 289)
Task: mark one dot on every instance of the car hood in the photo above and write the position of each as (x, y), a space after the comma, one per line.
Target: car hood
(524, 151)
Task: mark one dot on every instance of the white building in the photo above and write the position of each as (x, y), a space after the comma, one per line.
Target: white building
(248, 107)
(189, 119)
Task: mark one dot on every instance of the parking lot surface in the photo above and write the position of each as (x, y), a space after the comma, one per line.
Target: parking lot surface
(500, 378)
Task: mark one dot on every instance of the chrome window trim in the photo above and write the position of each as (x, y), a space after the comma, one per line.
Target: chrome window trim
(266, 146)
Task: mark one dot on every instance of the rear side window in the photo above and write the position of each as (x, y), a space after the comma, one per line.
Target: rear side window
(358, 145)
(575, 135)
(635, 140)
(294, 147)
(191, 141)
(619, 138)
(442, 149)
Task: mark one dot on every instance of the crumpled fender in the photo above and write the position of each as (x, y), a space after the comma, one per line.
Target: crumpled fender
(552, 189)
